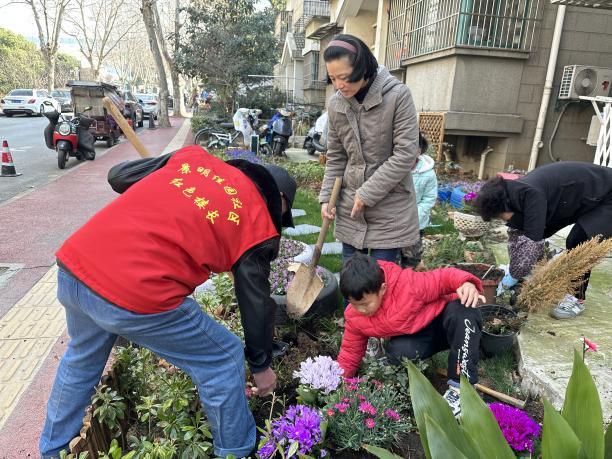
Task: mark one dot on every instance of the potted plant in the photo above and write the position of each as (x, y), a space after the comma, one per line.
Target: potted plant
(489, 275)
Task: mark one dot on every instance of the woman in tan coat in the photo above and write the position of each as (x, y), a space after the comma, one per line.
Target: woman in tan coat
(372, 144)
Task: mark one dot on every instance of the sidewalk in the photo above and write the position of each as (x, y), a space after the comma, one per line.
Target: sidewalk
(545, 345)
(32, 324)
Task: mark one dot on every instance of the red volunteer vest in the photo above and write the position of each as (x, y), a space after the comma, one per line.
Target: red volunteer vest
(149, 248)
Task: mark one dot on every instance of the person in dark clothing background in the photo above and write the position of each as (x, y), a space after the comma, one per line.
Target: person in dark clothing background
(548, 199)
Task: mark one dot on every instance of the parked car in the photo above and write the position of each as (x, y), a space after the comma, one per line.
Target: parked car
(27, 101)
(133, 109)
(150, 104)
(63, 97)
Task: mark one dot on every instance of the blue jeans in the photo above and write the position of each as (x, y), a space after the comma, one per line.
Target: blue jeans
(378, 254)
(186, 337)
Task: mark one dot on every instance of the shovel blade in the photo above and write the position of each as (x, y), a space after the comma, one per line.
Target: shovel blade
(303, 291)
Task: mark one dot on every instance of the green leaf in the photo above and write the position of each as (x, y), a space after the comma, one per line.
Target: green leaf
(582, 409)
(608, 442)
(293, 448)
(381, 453)
(425, 400)
(440, 445)
(480, 424)
(558, 439)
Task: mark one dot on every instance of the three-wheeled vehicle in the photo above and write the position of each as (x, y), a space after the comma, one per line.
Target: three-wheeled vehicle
(90, 94)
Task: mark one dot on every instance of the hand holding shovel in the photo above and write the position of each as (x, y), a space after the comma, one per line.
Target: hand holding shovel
(307, 284)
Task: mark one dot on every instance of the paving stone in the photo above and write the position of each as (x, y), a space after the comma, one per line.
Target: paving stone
(295, 213)
(300, 230)
(28, 331)
(331, 248)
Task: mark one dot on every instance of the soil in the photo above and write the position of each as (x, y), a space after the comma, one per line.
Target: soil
(480, 270)
(502, 326)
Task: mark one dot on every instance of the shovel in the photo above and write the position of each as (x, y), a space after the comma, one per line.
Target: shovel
(125, 127)
(306, 285)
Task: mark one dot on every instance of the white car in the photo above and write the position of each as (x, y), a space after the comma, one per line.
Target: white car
(150, 104)
(28, 101)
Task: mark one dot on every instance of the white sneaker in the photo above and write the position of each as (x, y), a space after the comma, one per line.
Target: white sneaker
(452, 398)
(568, 308)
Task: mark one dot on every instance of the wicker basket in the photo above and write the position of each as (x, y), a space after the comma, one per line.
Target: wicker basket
(470, 225)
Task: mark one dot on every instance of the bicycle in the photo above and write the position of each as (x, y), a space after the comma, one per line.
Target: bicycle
(210, 137)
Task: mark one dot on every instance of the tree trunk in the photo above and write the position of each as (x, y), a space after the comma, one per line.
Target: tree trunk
(51, 75)
(149, 21)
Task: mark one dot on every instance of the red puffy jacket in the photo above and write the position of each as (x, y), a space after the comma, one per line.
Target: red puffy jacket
(411, 302)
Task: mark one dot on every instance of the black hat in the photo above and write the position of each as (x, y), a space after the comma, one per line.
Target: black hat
(286, 185)
(271, 182)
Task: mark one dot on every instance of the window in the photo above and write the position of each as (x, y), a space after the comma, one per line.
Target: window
(21, 92)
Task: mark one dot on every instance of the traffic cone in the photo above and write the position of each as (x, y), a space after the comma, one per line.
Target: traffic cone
(8, 168)
(151, 121)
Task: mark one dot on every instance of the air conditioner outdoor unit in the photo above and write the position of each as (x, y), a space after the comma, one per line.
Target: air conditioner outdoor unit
(584, 80)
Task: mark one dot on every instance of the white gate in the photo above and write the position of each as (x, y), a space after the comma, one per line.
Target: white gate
(603, 154)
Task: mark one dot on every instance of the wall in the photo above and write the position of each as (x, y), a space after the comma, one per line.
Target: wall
(431, 83)
(587, 40)
(361, 26)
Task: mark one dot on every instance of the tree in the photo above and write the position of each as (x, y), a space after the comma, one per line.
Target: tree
(98, 26)
(148, 15)
(170, 60)
(48, 15)
(66, 69)
(21, 63)
(132, 60)
(278, 5)
(224, 42)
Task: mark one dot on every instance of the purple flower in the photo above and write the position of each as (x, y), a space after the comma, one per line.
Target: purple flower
(323, 373)
(392, 414)
(470, 196)
(267, 450)
(300, 424)
(518, 428)
(367, 408)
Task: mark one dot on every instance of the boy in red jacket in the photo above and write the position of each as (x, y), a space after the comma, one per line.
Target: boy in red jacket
(421, 313)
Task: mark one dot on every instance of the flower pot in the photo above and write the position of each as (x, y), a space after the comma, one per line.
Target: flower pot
(469, 225)
(490, 282)
(328, 301)
(456, 198)
(495, 344)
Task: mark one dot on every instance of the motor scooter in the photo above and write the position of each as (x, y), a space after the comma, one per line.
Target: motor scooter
(70, 137)
(281, 131)
(316, 140)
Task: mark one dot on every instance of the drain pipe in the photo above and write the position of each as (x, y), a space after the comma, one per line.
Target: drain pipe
(550, 74)
(483, 158)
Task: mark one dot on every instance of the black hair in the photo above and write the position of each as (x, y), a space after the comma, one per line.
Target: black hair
(423, 143)
(491, 199)
(363, 62)
(361, 274)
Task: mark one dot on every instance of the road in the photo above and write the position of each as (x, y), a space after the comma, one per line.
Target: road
(32, 158)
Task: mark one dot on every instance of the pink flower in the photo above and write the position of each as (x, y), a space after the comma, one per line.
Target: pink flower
(361, 398)
(369, 423)
(377, 383)
(590, 344)
(392, 414)
(367, 408)
(341, 407)
(346, 400)
(330, 412)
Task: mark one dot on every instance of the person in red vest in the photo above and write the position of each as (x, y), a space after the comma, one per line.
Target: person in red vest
(130, 271)
(421, 314)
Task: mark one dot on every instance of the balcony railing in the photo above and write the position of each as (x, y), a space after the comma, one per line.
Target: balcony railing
(282, 26)
(419, 27)
(307, 9)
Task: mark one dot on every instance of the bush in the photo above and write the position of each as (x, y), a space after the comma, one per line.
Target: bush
(307, 175)
(203, 120)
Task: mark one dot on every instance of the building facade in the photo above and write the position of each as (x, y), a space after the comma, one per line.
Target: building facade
(483, 64)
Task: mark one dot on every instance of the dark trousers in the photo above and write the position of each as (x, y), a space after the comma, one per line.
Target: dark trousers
(378, 254)
(577, 236)
(457, 328)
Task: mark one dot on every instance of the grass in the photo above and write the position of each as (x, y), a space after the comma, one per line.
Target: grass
(308, 201)
(440, 220)
(495, 372)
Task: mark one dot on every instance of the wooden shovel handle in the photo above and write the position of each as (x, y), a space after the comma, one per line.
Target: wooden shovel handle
(125, 127)
(493, 393)
(326, 222)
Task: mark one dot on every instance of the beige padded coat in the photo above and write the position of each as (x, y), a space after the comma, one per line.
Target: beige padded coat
(373, 146)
